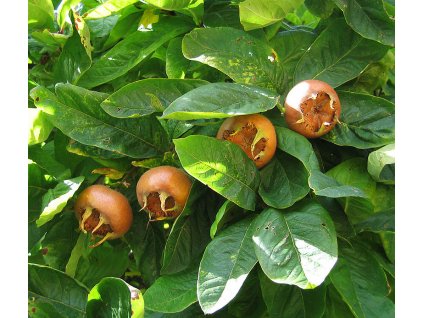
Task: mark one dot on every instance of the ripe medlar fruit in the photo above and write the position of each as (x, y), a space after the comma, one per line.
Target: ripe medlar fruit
(163, 192)
(255, 134)
(103, 212)
(312, 108)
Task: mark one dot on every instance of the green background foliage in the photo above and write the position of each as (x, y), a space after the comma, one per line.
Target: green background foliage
(118, 87)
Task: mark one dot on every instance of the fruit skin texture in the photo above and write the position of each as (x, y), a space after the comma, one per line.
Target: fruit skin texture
(255, 134)
(163, 192)
(112, 206)
(312, 108)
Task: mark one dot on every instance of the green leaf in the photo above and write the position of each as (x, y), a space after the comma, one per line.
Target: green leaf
(290, 301)
(353, 172)
(52, 293)
(256, 14)
(299, 147)
(221, 13)
(44, 156)
(222, 166)
(171, 4)
(320, 8)
(362, 283)
(194, 8)
(187, 239)
(172, 293)
(366, 122)
(227, 212)
(90, 151)
(325, 185)
(95, 263)
(63, 12)
(379, 222)
(284, 181)
(56, 199)
(147, 96)
(381, 164)
(296, 246)
(221, 100)
(132, 50)
(176, 64)
(107, 8)
(369, 19)
(337, 55)
(335, 306)
(109, 298)
(39, 126)
(59, 241)
(40, 14)
(219, 282)
(236, 53)
(77, 113)
(73, 61)
(147, 243)
(290, 47)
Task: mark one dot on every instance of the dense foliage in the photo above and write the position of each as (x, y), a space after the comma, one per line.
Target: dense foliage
(118, 87)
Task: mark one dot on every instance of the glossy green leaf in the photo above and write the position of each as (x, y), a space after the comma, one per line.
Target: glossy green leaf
(241, 56)
(256, 14)
(381, 164)
(299, 147)
(296, 246)
(337, 55)
(221, 100)
(132, 50)
(107, 8)
(147, 96)
(325, 185)
(172, 293)
(56, 199)
(45, 157)
(109, 298)
(219, 282)
(147, 243)
(369, 19)
(59, 241)
(226, 213)
(353, 172)
(284, 181)
(290, 301)
(171, 4)
(77, 113)
(39, 126)
(335, 306)
(362, 283)
(52, 293)
(194, 8)
(40, 14)
(187, 238)
(176, 64)
(320, 8)
(222, 166)
(73, 61)
(249, 300)
(366, 122)
(379, 222)
(90, 151)
(290, 47)
(221, 13)
(95, 263)
(63, 12)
